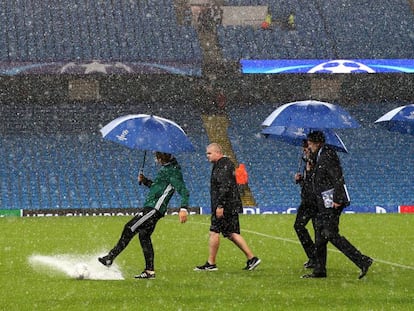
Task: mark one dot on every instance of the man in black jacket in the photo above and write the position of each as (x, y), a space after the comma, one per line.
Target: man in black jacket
(332, 197)
(225, 206)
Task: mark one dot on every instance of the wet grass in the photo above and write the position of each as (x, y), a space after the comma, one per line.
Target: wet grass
(275, 285)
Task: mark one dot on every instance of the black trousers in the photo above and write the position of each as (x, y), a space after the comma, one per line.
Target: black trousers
(142, 224)
(327, 230)
(306, 212)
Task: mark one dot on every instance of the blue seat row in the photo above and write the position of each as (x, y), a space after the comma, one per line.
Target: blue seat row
(87, 30)
(325, 29)
(148, 31)
(81, 170)
(376, 168)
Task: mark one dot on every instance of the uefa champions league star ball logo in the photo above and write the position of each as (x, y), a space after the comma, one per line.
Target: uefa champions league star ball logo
(95, 67)
(341, 66)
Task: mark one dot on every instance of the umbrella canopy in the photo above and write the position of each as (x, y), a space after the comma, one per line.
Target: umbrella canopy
(310, 114)
(295, 136)
(147, 132)
(400, 120)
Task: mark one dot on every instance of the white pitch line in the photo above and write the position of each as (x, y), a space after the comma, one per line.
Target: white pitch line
(332, 250)
(329, 249)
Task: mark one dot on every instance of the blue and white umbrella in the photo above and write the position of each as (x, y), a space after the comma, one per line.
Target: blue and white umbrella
(400, 120)
(295, 136)
(310, 114)
(149, 133)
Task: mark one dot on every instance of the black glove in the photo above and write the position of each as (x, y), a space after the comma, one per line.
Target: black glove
(145, 181)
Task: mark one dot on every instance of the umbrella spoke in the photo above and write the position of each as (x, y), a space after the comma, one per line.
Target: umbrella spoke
(400, 119)
(148, 132)
(310, 114)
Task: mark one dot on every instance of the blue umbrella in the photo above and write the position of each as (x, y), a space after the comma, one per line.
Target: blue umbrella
(310, 114)
(147, 132)
(400, 120)
(295, 136)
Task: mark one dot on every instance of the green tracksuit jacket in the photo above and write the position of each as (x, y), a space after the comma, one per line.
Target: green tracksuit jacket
(168, 180)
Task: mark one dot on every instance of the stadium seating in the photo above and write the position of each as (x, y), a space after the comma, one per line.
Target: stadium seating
(376, 168)
(75, 167)
(78, 169)
(367, 30)
(325, 29)
(67, 164)
(88, 30)
(148, 31)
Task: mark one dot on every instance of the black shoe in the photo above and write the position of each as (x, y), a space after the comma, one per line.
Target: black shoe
(313, 276)
(364, 269)
(106, 261)
(310, 264)
(252, 263)
(206, 267)
(145, 275)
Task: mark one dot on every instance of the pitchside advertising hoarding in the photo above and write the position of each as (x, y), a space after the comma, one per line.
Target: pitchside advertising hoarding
(348, 210)
(254, 210)
(101, 67)
(295, 66)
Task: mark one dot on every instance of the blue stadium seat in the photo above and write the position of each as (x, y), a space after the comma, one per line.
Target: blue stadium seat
(81, 170)
(327, 29)
(87, 30)
(372, 153)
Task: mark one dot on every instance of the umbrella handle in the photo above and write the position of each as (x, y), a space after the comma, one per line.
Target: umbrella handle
(141, 170)
(300, 162)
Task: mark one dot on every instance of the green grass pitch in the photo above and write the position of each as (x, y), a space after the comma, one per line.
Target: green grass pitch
(274, 285)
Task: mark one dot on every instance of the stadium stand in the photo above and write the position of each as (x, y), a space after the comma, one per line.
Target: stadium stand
(376, 167)
(54, 156)
(324, 29)
(88, 30)
(148, 31)
(68, 164)
(76, 168)
(382, 31)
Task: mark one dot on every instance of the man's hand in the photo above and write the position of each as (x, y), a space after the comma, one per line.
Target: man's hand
(336, 205)
(298, 177)
(182, 215)
(219, 211)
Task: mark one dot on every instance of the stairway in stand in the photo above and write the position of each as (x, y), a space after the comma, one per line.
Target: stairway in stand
(216, 127)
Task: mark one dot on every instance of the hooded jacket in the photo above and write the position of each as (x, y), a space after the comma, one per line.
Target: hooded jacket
(168, 180)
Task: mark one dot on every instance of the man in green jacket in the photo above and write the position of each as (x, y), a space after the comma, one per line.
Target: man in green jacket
(168, 180)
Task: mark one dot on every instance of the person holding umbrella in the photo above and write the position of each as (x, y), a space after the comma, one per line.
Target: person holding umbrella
(168, 180)
(332, 197)
(225, 206)
(307, 208)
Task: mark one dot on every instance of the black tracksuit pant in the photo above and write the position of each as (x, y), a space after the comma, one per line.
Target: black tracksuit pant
(142, 224)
